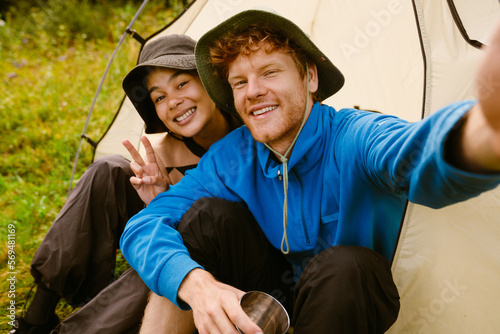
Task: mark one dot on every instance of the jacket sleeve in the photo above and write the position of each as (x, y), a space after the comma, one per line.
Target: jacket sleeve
(150, 241)
(409, 158)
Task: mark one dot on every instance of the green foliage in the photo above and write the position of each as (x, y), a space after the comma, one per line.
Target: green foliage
(66, 20)
(53, 55)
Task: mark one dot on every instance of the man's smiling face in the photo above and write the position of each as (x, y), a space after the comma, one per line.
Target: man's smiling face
(270, 95)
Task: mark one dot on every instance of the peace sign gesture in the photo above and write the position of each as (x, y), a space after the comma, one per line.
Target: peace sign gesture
(149, 179)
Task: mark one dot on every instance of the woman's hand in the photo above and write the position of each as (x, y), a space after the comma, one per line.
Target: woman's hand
(149, 180)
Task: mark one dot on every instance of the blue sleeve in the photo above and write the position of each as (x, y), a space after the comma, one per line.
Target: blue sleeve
(409, 158)
(150, 241)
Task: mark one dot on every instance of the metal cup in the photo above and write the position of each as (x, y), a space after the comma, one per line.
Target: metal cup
(266, 312)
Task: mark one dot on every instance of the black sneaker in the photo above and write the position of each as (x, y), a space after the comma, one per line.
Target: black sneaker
(21, 326)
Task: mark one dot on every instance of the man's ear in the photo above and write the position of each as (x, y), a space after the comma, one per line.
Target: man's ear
(313, 77)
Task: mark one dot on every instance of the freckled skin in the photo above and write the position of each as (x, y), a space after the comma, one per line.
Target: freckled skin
(270, 80)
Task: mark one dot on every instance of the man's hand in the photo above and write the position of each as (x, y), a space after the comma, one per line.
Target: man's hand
(149, 180)
(488, 91)
(488, 82)
(478, 146)
(216, 307)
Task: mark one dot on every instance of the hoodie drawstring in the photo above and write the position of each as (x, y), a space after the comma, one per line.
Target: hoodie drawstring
(284, 160)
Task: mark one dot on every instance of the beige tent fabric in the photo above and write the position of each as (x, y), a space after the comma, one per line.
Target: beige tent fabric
(447, 263)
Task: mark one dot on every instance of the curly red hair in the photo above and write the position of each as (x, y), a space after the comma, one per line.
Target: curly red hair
(226, 49)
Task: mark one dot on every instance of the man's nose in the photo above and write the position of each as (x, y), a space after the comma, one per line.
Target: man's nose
(255, 89)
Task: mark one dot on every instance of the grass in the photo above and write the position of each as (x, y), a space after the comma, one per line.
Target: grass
(51, 65)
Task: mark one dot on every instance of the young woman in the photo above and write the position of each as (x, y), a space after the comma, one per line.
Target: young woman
(76, 259)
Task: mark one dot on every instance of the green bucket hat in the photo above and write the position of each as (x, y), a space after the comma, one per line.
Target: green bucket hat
(172, 51)
(330, 77)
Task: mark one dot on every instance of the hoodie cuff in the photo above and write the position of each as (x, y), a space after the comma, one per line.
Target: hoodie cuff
(171, 277)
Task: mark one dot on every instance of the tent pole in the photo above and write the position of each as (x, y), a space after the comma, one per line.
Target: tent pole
(84, 135)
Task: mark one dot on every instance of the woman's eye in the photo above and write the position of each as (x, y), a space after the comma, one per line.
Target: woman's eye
(159, 98)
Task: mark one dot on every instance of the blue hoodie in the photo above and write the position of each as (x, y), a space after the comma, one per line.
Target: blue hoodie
(350, 174)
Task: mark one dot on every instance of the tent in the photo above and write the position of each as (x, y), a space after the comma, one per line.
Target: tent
(406, 58)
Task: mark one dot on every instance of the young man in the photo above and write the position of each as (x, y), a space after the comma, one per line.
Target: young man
(303, 202)
(76, 260)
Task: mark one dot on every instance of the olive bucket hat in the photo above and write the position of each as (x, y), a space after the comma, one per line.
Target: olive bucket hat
(172, 51)
(330, 77)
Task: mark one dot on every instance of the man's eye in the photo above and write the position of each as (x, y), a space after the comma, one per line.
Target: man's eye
(239, 84)
(182, 84)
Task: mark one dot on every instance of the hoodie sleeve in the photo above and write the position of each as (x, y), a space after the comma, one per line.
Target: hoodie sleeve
(150, 241)
(409, 158)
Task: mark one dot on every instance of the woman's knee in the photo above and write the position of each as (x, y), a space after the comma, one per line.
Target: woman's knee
(109, 165)
(109, 171)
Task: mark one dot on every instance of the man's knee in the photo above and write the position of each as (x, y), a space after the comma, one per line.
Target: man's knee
(215, 207)
(348, 280)
(210, 215)
(227, 241)
(344, 261)
(344, 272)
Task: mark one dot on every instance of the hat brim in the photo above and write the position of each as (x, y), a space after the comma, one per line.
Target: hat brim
(330, 78)
(135, 86)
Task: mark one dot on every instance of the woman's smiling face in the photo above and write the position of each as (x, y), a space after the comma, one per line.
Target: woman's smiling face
(181, 101)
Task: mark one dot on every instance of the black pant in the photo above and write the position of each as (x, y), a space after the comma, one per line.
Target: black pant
(344, 289)
(77, 257)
